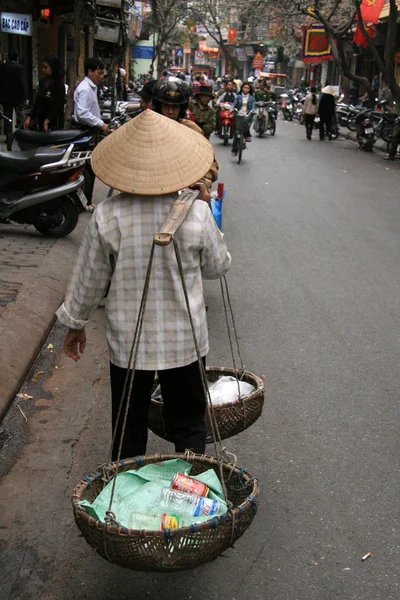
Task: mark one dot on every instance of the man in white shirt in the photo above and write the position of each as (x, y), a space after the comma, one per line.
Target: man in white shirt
(87, 110)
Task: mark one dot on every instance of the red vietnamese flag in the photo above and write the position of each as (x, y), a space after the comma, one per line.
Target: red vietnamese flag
(371, 9)
(360, 39)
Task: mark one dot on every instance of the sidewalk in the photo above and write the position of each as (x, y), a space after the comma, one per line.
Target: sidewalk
(34, 273)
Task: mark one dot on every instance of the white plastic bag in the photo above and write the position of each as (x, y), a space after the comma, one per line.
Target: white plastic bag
(225, 390)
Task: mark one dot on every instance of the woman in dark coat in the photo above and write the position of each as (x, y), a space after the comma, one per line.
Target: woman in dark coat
(48, 109)
(326, 111)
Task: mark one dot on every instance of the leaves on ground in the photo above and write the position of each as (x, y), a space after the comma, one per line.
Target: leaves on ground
(36, 376)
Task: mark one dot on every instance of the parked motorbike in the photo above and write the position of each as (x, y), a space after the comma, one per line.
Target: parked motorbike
(226, 122)
(43, 188)
(83, 145)
(365, 132)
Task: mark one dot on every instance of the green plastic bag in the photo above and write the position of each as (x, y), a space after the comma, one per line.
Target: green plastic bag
(139, 491)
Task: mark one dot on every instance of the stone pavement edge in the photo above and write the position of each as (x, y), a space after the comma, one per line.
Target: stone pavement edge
(34, 274)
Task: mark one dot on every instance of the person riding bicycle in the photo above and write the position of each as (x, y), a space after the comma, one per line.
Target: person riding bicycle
(244, 104)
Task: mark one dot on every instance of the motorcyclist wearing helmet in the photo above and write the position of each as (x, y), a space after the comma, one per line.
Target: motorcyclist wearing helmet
(171, 98)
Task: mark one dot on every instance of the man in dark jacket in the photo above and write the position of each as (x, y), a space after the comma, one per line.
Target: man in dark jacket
(13, 90)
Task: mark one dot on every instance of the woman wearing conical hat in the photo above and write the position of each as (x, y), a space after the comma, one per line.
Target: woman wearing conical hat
(149, 160)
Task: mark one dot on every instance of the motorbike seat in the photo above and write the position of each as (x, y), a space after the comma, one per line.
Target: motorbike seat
(29, 160)
(43, 138)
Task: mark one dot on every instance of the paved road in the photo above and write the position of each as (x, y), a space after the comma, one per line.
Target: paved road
(314, 230)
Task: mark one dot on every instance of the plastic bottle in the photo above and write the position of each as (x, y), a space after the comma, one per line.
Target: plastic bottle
(189, 504)
(154, 522)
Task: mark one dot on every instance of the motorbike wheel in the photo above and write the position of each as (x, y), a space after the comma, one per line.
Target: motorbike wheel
(68, 218)
(351, 124)
(272, 127)
(240, 148)
(260, 125)
(225, 134)
(342, 120)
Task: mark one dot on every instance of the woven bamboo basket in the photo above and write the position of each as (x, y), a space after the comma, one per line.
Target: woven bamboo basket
(232, 418)
(185, 548)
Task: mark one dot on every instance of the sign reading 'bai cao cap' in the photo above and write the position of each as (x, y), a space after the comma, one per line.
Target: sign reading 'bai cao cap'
(15, 23)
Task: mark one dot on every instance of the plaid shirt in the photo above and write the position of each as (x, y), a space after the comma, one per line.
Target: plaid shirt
(116, 248)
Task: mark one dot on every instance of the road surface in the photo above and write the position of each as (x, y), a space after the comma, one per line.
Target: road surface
(314, 231)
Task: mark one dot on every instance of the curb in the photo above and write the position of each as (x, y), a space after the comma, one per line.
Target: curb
(351, 135)
(25, 324)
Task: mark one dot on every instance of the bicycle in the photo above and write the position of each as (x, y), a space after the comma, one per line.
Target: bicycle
(241, 129)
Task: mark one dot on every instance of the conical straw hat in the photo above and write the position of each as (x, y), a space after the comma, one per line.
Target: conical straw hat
(328, 90)
(152, 155)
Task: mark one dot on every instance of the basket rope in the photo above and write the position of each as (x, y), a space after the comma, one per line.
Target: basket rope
(223, 282)
(220, 451)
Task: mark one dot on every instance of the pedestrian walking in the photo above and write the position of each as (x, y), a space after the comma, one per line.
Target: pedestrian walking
(326, 111)
(204, 115)
(148, 160)
(48, 108)
(13, 91)
(87, 110)
(309, 111)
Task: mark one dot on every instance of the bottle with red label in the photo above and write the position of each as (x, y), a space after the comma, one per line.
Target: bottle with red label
(183, 483)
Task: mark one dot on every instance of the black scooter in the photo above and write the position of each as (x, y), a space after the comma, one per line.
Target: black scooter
(43, 188)
(83, 142)
(366, 137)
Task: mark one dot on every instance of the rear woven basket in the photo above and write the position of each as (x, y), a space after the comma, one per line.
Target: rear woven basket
(185, 548)
(232, 418)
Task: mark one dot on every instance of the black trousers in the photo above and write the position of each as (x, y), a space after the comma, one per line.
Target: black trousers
(325, 125)
(184, 409)
(8, 112)
(395, 141)
(309, 121)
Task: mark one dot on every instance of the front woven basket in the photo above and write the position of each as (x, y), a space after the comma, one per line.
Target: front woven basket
(185, 548)
(232, 418)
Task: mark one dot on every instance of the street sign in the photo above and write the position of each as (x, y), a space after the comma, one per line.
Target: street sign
(178, 52)
(258, 61)
(16, 23)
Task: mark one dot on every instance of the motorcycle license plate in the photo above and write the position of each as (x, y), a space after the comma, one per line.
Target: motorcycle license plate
(82, 197)
(369, 130)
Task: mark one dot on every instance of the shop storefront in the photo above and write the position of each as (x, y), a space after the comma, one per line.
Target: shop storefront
(16, 33)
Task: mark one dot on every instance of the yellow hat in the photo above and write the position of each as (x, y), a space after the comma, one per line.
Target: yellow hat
(152, 155)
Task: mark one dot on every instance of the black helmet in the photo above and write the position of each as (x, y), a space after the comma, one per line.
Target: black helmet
(171, 90)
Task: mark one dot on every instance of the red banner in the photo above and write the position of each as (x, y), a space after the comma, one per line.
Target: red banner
(371, 9)
(232, 34)
(316, 47)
